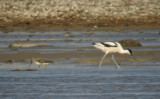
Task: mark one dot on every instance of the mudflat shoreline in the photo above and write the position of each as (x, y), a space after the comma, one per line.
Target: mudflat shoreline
(49, 27)
(79, 57)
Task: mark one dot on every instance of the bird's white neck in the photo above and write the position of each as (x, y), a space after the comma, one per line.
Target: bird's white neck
(125, 52)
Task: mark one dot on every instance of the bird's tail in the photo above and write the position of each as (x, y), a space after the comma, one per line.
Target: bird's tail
(50, 61)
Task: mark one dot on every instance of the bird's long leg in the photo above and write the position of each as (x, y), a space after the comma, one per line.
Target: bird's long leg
(30, 64)
(45, 67)
(39, 66)
(102, 59)
(115, 62)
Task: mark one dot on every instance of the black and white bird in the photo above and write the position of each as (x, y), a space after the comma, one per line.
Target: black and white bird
(111, 48)
(40, 62)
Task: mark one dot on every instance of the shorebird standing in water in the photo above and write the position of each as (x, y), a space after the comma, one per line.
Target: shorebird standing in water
(40, 62)
(112, 47)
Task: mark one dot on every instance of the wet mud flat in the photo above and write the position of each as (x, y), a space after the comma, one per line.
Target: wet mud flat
(75, 73)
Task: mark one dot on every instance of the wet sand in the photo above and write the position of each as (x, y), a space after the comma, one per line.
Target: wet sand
(93, 27)
(86, 57)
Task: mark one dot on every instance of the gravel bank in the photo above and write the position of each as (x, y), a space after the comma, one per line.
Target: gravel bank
(79, 12)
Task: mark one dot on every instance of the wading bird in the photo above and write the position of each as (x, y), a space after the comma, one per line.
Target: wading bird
(40, 62)
(112, 47)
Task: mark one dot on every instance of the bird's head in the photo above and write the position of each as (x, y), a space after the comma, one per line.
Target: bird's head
(130, 53)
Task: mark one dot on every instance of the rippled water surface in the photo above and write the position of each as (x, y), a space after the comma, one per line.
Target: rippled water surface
(81, 83)
(68, 79)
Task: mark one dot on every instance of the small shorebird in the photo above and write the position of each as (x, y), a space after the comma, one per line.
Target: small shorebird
(112, 47)
(40, 62)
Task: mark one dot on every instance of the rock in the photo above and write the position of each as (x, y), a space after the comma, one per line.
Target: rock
(8, 61)
(130, 43)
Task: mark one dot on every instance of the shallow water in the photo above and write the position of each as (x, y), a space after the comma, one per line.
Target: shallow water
(69, 79)
(81, 83)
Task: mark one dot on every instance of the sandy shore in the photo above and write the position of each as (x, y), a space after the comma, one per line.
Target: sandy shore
(92, 13)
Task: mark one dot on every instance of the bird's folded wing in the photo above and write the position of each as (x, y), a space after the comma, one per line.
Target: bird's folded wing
(109, 44)
(45, 61)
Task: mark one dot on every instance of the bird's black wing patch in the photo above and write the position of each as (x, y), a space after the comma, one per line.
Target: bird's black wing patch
(109, 45)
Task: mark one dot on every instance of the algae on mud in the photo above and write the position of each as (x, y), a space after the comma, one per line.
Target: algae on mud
(24, 70)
